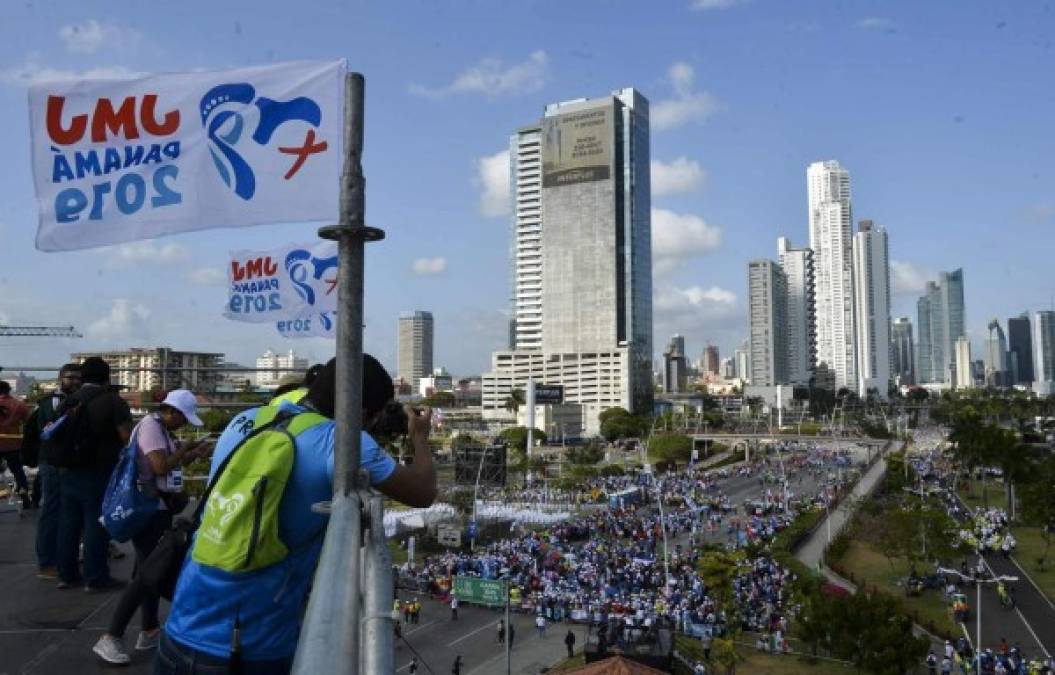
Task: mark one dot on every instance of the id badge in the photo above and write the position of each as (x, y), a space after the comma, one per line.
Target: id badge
(175, 480)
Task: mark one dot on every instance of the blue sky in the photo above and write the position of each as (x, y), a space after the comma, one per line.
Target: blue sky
(942, 112)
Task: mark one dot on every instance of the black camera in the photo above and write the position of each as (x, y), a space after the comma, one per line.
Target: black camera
(390, 422)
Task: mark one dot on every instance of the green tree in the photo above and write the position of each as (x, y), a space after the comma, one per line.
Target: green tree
(514, 401)
(670, 447)
(215, 420)
(622, 425)
(591, 453)
(440, 399)
(1038, 503)
(515, 438)
(723, 651)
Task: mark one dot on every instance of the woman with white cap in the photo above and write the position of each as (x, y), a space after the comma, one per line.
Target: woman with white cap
(159, 458)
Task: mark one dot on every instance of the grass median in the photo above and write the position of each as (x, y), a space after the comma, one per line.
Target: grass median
(1028, 554)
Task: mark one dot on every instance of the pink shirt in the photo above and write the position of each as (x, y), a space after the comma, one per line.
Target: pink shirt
(153, 435)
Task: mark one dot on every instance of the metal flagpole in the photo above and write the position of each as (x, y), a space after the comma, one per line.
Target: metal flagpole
(509, 628)
(330, 637)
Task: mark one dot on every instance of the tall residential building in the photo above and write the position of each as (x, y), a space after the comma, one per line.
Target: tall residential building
(415, 347)
(711, 360)
(871, 265)
(1020, 352)
(675, 366)
(996, 368)
(903, 352)
(767, 317)
(525, 167)
(964, 367)
(830, 218)
(797, 265)
(1044, 353)
(728, 368)
(151, 368)
(742, 357)
(941, 323)
(272, 367)
(585, 167)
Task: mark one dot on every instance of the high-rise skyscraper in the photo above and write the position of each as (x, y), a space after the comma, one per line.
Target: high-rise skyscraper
(941, 323)
(797, 265)
(525, 160)
(675, 366)
(904, 352)
(1020, 352)
(1044, 353)
(768, 323)
(872, 308)
(711, 360)
(742, 356)
(415, 347)
(996, 369)
(964, 367)
(582, 270)
(830, 218)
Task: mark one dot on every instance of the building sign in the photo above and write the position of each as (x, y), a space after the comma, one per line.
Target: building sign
(480, 591)
(123, 160)
(294, 285)
(577, 147)
(449, 536)
(546, 394)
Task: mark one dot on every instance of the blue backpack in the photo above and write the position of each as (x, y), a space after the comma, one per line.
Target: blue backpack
(126, 510)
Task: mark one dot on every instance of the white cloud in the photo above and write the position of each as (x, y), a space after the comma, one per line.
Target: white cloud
(492, 176)
(124, 323)
(714, 300)
(681, 175)
(908, 278)
(430, 266)
(207, 276)
(492, 77)
(31, 72)
(687, 105)
(676, 236)
(1038, 214)
(880, 23)
(145, 252)
(705, 5)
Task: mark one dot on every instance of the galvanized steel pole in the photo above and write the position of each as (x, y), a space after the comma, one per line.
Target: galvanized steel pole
(330, 638)
(377, 629)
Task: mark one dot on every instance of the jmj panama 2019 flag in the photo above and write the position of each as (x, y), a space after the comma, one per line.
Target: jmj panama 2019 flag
(123, 160)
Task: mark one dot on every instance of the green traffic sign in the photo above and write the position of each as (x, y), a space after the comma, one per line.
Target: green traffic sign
(480, 591)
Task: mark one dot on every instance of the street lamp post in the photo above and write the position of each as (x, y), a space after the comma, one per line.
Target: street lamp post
(978, 581)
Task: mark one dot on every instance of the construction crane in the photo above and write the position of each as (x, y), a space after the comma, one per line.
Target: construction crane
(39, 331)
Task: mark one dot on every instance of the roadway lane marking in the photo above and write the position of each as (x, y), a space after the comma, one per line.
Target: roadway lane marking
(1026, 574)
(419, 627)
(1019, 612)
(469, 635)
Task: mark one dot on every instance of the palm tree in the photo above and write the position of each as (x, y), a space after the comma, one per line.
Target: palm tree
(514, 401)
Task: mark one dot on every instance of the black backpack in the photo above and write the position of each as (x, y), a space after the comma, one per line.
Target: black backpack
(72, 443)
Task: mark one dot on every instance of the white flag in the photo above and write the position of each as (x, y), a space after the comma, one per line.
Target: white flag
(295, 282)
(123, 160)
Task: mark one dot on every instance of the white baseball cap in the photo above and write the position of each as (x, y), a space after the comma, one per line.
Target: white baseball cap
(184, 401)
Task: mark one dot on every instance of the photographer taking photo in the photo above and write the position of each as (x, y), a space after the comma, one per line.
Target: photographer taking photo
(261, 604)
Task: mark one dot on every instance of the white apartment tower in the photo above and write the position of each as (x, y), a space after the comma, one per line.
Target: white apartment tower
(830, 220)
(582, 258)
(415, 347)
(1044, 353)
(272, 367)
(871, 266)
(767, 319)
(525, 165)
(797, 265)
(964, 374)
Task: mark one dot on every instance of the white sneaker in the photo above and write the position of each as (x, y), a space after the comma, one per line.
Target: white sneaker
(111, 650)
(146, 641)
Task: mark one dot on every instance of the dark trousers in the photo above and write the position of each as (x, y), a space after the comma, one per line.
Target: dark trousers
(82, 501)
(14, 465)
(136, 595)
(174, 658)
(48, 520)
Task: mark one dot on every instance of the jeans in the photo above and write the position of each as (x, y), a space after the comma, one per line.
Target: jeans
(82, 501)
(14, 465)
(174, 658)
(48, 521)
(136, 595)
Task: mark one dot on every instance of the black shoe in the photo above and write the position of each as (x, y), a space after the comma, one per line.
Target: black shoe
(65, 584)
(110, 584)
